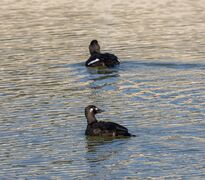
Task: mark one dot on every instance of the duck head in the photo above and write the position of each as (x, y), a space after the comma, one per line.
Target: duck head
(94, 47)
(90, 112)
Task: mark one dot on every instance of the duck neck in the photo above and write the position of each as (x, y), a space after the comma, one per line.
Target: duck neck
(94, 53)
(94, 49)
(90, 118)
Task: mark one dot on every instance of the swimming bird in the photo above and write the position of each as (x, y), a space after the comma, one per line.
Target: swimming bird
(98, 59)
(101, 128)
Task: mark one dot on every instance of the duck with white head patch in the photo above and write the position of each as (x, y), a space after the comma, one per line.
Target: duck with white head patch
(100, 128)
(98, 59)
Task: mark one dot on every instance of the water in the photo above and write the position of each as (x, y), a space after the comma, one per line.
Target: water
(158, 91)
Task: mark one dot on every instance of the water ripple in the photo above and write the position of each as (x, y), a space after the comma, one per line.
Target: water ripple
(157, 91)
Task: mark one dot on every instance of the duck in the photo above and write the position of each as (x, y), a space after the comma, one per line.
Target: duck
(101, 128)
(98, 59)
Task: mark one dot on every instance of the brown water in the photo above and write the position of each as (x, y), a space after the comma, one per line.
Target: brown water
(158, 91)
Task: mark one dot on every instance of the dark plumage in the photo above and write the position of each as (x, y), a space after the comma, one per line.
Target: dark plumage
(100, 59)
(100, 128)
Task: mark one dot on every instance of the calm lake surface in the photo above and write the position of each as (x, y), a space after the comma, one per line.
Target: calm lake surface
(158, 91)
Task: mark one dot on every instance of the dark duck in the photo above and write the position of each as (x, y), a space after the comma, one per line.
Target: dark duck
(98, 59)
(100, 128)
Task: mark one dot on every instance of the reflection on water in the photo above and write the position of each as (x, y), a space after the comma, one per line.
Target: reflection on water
(131, 64)
(103, 78)
(157, 91)
(94, 143)
(101, 150)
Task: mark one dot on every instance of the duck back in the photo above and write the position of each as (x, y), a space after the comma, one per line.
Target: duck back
(106, 129)
(106, 60)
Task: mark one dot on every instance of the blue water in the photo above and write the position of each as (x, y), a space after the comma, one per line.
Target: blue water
(157, 92)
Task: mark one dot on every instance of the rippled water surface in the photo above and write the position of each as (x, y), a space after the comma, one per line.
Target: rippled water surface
(158, 91)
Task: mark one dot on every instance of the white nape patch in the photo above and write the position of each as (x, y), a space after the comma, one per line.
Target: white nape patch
(91, 109)
(91, 62)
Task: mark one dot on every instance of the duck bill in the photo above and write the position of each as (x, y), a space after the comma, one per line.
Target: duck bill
(100, 111)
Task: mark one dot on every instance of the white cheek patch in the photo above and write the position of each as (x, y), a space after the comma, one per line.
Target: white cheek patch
(94, 61)
(91, 110)
(96, 109)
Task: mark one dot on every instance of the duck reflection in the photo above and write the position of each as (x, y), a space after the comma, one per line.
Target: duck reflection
(102, 72)
(103, 148)
(102, 153)
(103, 78)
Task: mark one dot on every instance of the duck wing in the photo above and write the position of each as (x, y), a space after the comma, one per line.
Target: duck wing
(110, 59)
(102, 128)
(95, 60)
(112, 128)
(112, 125)
(105, 59)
